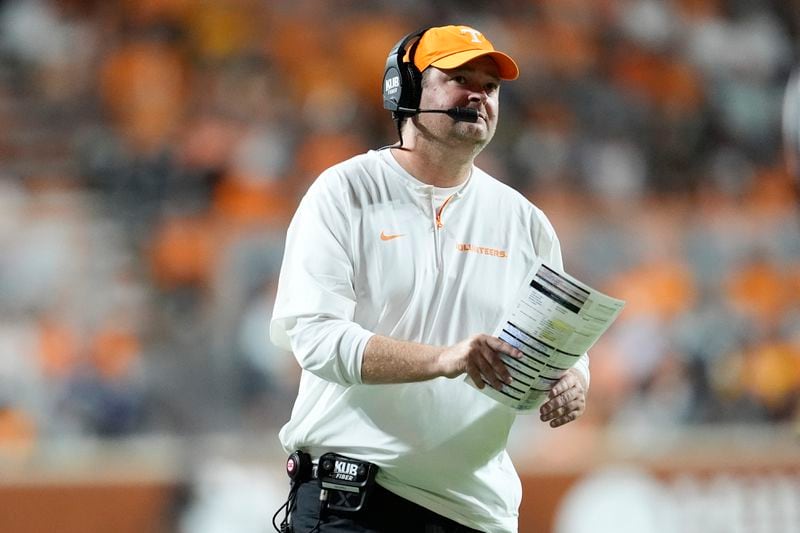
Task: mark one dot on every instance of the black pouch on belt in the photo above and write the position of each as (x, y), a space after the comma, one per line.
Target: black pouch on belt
(348, 481)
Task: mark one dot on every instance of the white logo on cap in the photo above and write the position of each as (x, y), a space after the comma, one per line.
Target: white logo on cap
(474, 33)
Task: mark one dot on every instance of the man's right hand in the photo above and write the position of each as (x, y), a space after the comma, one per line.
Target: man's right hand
(478, 356)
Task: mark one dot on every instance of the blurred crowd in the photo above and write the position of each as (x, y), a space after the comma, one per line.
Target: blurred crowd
(152, 153)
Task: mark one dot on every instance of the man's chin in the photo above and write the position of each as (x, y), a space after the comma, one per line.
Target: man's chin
(475, 132)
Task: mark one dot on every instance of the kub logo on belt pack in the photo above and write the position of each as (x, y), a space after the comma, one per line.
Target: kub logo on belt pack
(345, 470)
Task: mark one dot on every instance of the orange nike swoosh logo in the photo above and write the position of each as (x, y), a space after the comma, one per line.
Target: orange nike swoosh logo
(385, 237)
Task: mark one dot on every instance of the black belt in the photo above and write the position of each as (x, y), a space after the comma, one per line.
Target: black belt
(310, 475)
(300, 468)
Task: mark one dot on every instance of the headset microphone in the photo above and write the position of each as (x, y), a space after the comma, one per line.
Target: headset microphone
(462, 114)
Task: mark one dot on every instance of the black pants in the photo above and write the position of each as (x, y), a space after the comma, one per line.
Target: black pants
(385, 512)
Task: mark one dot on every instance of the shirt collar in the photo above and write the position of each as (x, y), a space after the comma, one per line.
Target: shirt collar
(424, 188)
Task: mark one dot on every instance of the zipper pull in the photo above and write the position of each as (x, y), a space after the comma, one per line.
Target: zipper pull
(439, 223)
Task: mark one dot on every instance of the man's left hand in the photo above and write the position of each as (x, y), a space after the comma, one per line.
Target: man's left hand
(567, 400)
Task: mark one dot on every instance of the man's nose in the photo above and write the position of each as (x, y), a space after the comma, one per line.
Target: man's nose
(477, 96)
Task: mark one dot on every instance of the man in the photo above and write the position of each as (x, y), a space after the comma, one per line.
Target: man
(398, 262)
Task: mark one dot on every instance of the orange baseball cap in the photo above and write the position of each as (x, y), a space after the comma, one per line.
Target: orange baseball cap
(452, 46)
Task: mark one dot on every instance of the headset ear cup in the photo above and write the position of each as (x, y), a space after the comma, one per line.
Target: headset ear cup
(402, 82)
(393, 76)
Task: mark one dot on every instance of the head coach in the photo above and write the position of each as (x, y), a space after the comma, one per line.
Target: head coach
(397, 264)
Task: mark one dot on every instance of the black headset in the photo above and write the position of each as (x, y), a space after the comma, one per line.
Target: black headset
(402, 81)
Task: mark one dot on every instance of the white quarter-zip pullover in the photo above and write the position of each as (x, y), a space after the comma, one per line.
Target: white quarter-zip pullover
(371, 250)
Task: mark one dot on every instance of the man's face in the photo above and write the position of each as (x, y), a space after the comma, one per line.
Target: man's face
(475, 84)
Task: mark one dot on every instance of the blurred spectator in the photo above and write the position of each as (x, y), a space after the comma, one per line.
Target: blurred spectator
(152, 152)
(17, 433)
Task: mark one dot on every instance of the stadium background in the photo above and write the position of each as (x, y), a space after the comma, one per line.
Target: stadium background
(152, 152)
